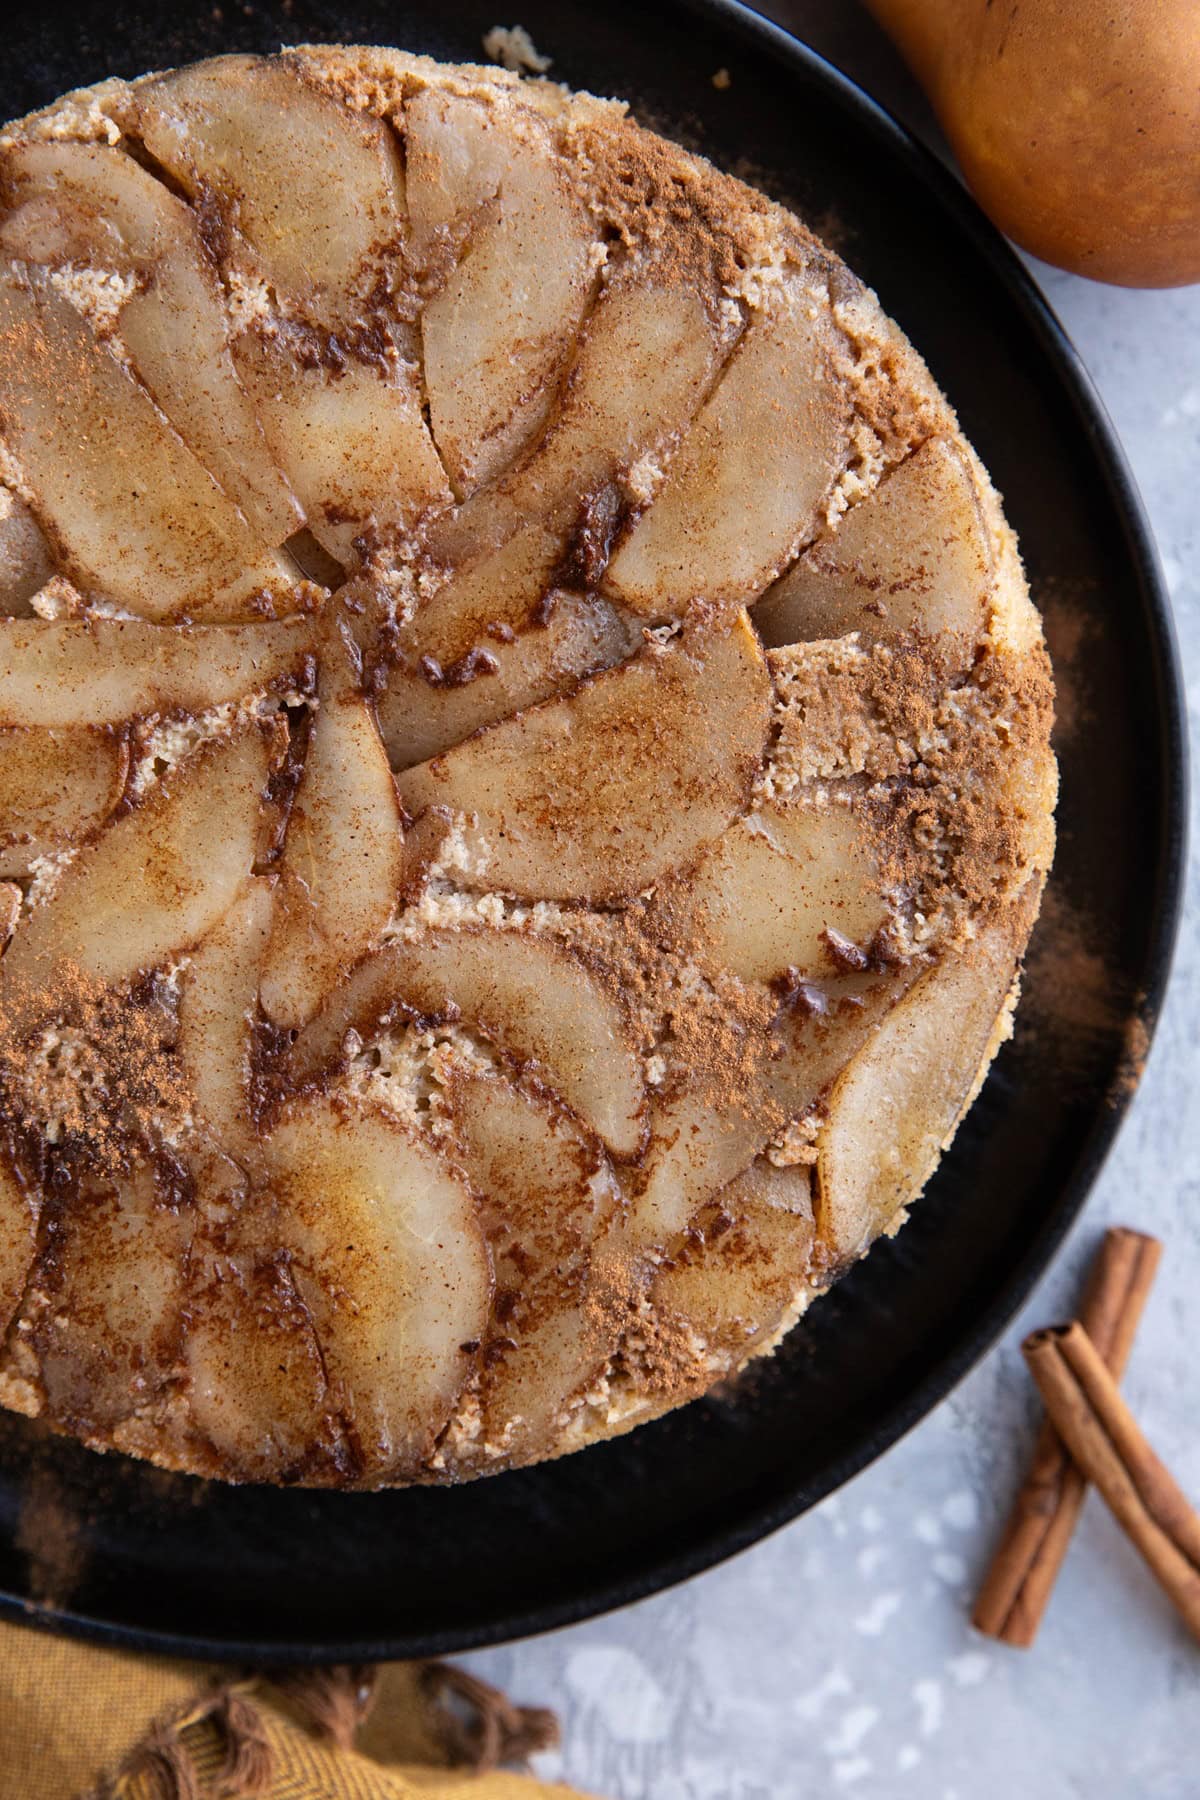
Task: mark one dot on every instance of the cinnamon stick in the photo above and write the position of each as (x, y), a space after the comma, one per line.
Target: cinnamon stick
(1107, 1444)
(1021, 1577)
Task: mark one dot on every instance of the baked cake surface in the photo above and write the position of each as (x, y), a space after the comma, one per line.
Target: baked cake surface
(524, 769)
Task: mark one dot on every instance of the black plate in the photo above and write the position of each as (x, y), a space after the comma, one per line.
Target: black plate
(109, 1547)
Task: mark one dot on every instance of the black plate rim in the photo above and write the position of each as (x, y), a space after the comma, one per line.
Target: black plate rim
(1164, 909)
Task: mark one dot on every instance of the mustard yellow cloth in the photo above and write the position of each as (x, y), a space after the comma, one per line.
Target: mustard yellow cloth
(72, 1714)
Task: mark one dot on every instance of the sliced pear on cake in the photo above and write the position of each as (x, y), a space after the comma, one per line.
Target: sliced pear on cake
(752, 478)
(426, 709)
(914, 555)
(897, 1103)
(721, 1115)
(500, 321)
(492, 586)
(60, 673)
(91, 205)
(389, 1258)
(218, 1005)
(352, 439)
(109, 1330)
(742, 1270)
(696, 1146)
(128, 508)
(645, 360)
(779, 881)
(599, 794)
(315, 188)
(341, 408)
(531, 995)
(545, 1192)
(25, 563)
(56, 788)
(183, 853)
(341, 866)
(256, 1386)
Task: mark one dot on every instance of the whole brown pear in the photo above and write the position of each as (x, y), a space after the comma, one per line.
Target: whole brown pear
(1075, 122)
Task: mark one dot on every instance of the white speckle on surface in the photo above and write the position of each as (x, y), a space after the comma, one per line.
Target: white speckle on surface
(969, 1669)
(961, 1510)
(907, 1757)
(852, 1730)
(1184, 408)
(831, 1512)
(869, 1559)
(930, 1706)
(831, 1686)
(871, 1519)
(926, 1527)
(950, 1568)
(1174, 572)
(619, 1687)
(852, 1769)
(871, 1623)
(547, 1765)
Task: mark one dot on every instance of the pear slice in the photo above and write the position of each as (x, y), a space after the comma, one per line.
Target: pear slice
(750, 482)
(545, 1193)
(213, 800)
(744, 1267)
(315, 188)
(425, 710)
(498, 327)
(342, 860)
(713, 1125)
(20, 1208)
(25, 564)
(127, 504)
(913, 556)
(778, 880)
(896, 1106)
(498, 587)
(646, 358)
(389, 1258)
(218, 1004)
(351, 439)
(256, 1384)
(109, 1330)
(89, 204)
(530, 994)
(56, 787)
(60, 673)
(598, 795)
(696, 1146)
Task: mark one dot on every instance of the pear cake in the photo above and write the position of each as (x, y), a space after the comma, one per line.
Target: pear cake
(525, 774)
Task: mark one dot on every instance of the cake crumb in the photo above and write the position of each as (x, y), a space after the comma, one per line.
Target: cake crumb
(513, 48)
(796, 1145)
(98, 295)
(58, 599)
(722, 80)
